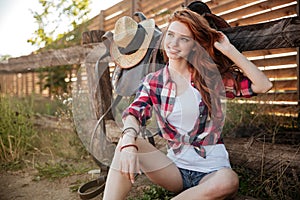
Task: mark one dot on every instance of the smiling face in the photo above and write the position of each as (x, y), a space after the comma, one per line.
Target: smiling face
(178, 41)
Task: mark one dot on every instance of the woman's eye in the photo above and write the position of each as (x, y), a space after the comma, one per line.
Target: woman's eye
(170, 34)
(185, 39)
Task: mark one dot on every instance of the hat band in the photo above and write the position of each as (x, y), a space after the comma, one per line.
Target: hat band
(135, 43)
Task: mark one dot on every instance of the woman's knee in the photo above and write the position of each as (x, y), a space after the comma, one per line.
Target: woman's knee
(223, 183)
(229, 182)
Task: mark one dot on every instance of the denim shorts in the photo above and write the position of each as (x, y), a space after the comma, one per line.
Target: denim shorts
(191, 178)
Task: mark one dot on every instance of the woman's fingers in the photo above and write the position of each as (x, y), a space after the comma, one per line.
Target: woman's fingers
(131, 174)
(223, 44)
(129, 165)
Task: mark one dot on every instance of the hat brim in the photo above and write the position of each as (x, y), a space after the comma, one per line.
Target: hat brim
(130, 60)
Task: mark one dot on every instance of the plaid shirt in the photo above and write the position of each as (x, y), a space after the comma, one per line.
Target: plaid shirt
(158, 92)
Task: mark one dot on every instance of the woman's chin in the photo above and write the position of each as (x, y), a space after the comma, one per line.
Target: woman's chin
(173, 55)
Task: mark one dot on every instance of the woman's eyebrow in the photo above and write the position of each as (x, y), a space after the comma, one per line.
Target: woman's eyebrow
(182, 35)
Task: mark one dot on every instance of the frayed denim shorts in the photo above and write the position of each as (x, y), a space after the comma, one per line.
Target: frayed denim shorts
(191, 178)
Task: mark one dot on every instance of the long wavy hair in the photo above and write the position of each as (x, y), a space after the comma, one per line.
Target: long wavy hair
(206, 62)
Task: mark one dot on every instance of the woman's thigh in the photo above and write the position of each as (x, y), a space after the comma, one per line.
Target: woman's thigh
(155, 164)
(158, 167)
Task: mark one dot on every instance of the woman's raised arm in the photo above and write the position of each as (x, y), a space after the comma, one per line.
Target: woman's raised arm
(260, 82)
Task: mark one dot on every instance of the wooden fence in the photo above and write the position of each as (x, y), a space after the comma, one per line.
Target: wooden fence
(279, 64)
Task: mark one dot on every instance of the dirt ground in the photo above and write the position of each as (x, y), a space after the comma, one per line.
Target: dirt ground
(25, 185)
(21, 185)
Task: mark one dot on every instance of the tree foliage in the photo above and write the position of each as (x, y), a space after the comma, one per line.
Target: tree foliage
(4, 57)
(58, 24)
(57, 18)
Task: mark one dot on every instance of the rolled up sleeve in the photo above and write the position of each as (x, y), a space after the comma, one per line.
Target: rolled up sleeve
(141, 106)
(244, 89)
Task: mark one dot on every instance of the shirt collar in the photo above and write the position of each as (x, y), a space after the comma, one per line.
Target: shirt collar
(166, 75)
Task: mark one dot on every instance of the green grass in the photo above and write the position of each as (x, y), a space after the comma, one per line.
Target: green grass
(57, 153)
(154, 192)
(58, 170)
(16, 129)
(22, 144)
(275, 185)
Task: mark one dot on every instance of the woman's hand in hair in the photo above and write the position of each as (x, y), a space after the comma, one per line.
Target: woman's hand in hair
(223, 44)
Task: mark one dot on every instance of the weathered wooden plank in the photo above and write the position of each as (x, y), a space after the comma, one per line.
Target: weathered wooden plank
(284, 85)
(94, 23)
(254, 8)
(110, 23)
(94, 36)
(68, 56)
(216, 3)
(264, 52)
(153, 6)
(155, 11)
(99, 87)
(282, 33)
(124, 4)
(113, 19)
(281, 73)
(274, 14)
(230, 5)
(272, 108)
(275, 61)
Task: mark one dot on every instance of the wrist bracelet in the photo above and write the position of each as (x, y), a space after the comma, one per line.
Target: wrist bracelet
(129, 145)
(128, 128)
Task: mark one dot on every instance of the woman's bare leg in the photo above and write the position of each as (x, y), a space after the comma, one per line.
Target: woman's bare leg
(156, 165)
(218, 185)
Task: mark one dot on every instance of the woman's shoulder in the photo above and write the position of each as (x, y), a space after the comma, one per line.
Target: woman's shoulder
(155, 75)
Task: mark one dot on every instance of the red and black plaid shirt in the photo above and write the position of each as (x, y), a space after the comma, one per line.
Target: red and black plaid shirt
(158, 93)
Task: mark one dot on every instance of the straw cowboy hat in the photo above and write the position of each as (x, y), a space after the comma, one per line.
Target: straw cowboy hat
(131, 41)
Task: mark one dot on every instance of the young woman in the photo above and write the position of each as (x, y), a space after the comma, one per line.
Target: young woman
(185, 97)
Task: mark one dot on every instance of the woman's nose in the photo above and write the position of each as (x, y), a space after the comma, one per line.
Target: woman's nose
(174, 41)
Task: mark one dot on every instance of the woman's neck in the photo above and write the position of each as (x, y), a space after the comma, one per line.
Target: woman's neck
(180, 75)
(181, 67)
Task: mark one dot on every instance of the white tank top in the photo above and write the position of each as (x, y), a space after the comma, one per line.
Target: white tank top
(183, 117)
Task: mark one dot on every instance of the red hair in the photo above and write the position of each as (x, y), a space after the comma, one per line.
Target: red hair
(206, 62)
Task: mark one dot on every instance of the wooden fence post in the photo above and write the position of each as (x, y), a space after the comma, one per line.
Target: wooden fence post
(33, 82)
(135, 6)
(101, 20)
(101, 90)
(17, 84)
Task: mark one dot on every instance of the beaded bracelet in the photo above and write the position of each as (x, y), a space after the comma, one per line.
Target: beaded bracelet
(128, 128)
(129, 145)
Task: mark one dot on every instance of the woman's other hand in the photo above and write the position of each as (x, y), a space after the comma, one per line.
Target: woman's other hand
(129, 163)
